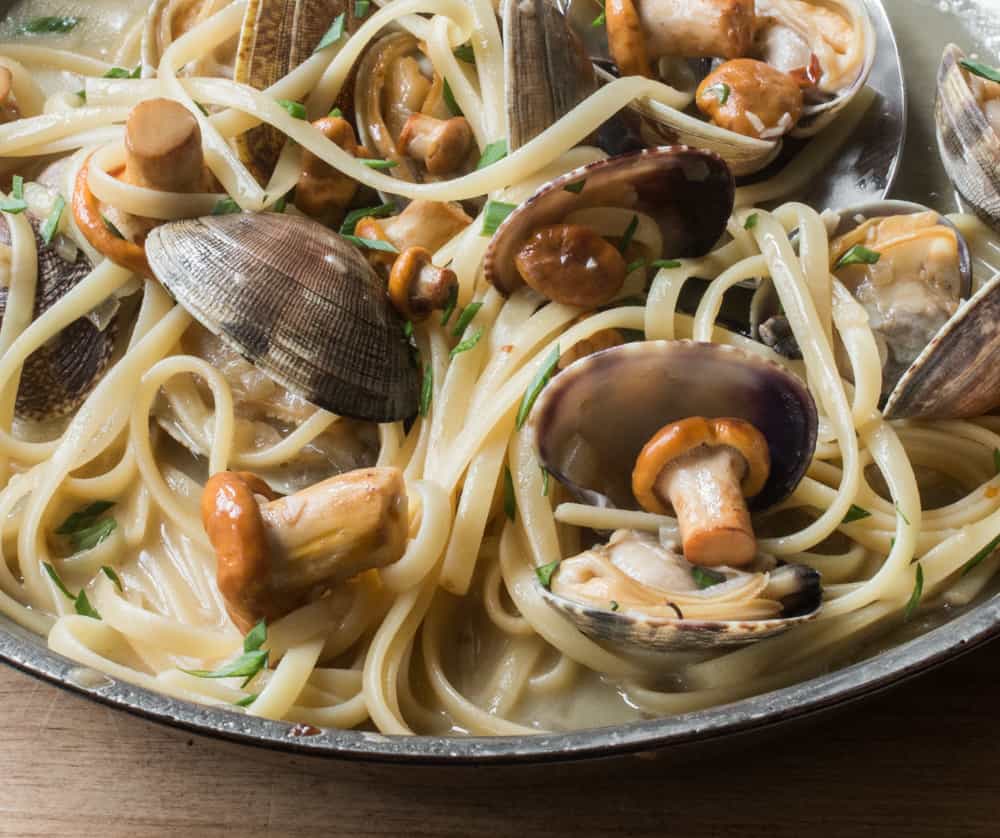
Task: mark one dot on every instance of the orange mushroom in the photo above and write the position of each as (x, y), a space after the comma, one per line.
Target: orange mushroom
(417, 286)
(323, 192)
(8, 105)
(442, 144)
(571, 264)
(275, 554)
(704, 469)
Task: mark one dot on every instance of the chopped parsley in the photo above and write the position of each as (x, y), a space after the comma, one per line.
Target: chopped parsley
(427, 390)
(858, 255)
(247, 665)
(751, 221)
(493, 152)
(51, 224)
(81, 604)
(665, 263)
(361, 8)
(465, 318)
(902, 515)
(380, 165)
(545, 481)
(613, 606)
(601, 19)
(354, 216)
(720, 91)
(465, 53)
(50, 25)
(509, 500)
(576, 187)
(372, 244)
(544, 573)
(86, 528)
(706, 578)
(468, 343)
(977, 68)
(449, 99)
(295, 109)
(996, 460)
(634, 266)
(110, 573)
(537, 385)
(17, 187)
(122, 73)
(981, 555)
(629, 234)
(226, 206)
(334, 33)
(918, 590)
(855, 513)
(494, 215)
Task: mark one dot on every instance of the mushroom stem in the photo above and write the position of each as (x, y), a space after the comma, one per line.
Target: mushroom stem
(704, 468)
(323, 192)
(273, 557)
(417, 286)
(442, 144)
(163, 147)
(704, 490)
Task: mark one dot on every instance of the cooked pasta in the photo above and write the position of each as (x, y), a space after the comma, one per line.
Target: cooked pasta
(457, 635)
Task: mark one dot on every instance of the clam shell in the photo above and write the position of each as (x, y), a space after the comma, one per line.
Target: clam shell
(970, 148)
(59, 375)
(277, 36)
(297, 301)
(690, 192)
(638, 633)
(958, 373)
(590, 423)
(547, 70)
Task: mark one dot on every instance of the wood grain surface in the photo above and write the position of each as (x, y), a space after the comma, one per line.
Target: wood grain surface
(920, 760)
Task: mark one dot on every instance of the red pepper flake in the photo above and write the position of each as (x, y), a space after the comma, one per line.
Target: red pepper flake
(507, 347)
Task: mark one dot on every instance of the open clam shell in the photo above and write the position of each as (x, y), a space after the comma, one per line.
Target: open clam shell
(59, 375)
(797, 588)
(688, 192)
(968, 141)
(593, 419)
(277, 36)
(297, 301)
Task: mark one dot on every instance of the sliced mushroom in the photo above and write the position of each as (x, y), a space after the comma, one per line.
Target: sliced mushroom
(274, 554)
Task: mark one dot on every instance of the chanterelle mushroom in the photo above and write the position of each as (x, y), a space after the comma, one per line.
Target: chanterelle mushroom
(442, 144)
(417, 286)
(704, 469)
(274, 554)
(323, 192)
(751, 98)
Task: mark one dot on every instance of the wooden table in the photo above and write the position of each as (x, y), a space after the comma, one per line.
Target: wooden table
(921, 760)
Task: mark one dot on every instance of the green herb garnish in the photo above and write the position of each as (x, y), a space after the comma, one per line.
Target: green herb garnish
(706, 578)
(537, 385)
(372, 244)
(85, 517)
(634, 266)
(110, 573)
(83, 606)
(855, 513)
(901, 515)
(50, 25)
(226, 206)
(17, 187)
(665, 263)
(57, 580)
(576, 187)
(246, 701)
(51, 224)
(981, 555)
(381, 165)
(427, 390)
(545, 481)
(751, 221)
(601, 19)
(354, 216)
(295, 109)
(858, 255)
(509, 500)
(918, 590)
(449, 99)
(336, 113)
(465, 53)
(494, 152)
(465, 318)
(629, 233)
(977, 68)
(468, 343)
(361, 8)
(996, 460)
(334, 33)
(720, 91)
(247, 665)
(449, 306)
(112, 228)
(544, 573)
(122, 73)
(89, 537)
(494, 215)
(13, 205)
(614, 605)
(202, 108)
(82, 96)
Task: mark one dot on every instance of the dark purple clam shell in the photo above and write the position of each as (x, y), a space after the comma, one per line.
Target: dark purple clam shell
(688, 191)
(592, 421)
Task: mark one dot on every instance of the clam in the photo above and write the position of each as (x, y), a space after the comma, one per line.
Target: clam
(297, 301)
(730, 52)
(547, 70)
(688, 193)
(638, 594)
(277, 36)
(707, 432)
(967, 113)
(59, 375)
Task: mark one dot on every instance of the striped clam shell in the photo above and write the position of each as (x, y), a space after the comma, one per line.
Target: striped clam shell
(59, 375)
(297, 301)
(970, 147)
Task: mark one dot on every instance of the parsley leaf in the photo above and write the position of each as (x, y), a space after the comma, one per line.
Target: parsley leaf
(901, 514)
(468, 343)
(84, 517)
(996, 460)
(334, 33)
(537, 385)
(465, 53)
(614, 605)
(509, 500)
(17, 187)
(295, 109)
(576, 187)
(427, 390)
(493, 152)
(465, 318)
(110, 573)
(50, 25)
(361, 8)
(981, 555)
(255, 637)
(545, 481)
(354, 216)
(245, 666)
(122, 73)
(634, 266)
(629, 234)
(449, 99)
(380, 165)
(751, 221)
(706, 578)
(544, 573)
(858, 255)
(601, 19)
(494, 215)
(51, 224)
(979, 69)
(720, 91)
(665, 263)
(226, 206)
(855, 513)
(918, 590)
(372, 244)
(57, 580)
(247, 700)
(83, 606)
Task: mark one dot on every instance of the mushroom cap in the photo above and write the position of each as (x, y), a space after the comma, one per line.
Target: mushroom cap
(687, 191)
(675, 440)
(591, 422)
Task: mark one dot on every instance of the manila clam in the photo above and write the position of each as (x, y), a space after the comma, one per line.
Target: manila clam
(686, 194)
(708, 432)
(967, 112)
(59, 375)
(757, 71)
(296, 300)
